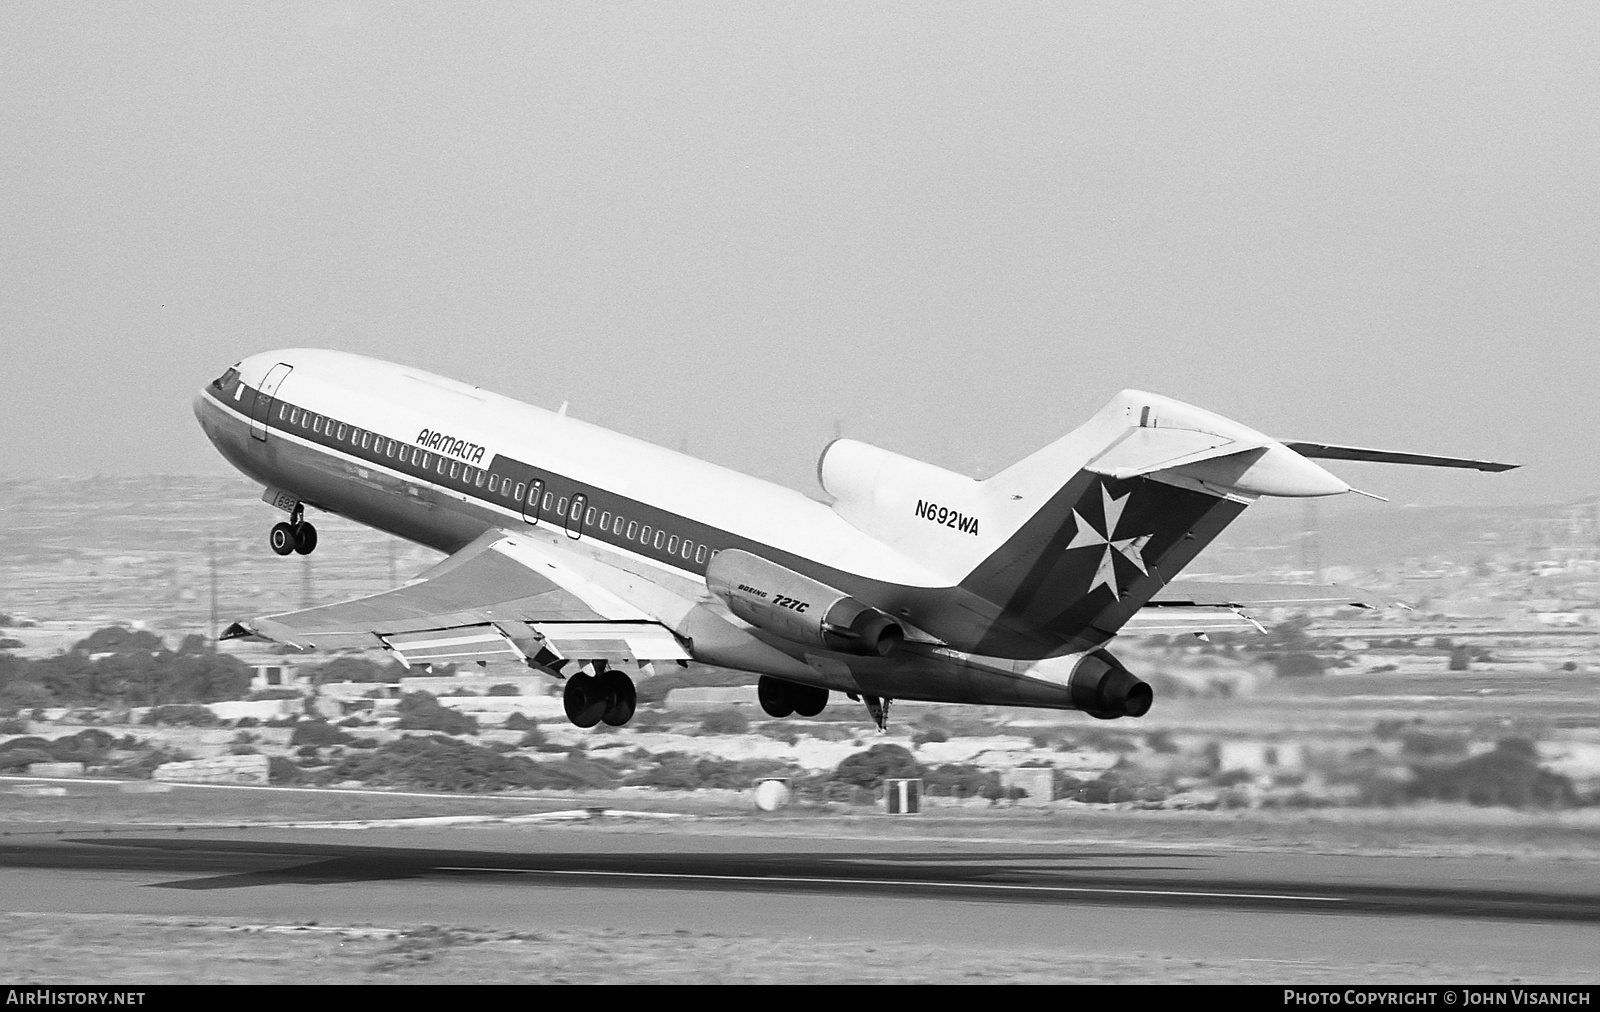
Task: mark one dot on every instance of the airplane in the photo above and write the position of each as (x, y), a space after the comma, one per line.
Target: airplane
(573, 547)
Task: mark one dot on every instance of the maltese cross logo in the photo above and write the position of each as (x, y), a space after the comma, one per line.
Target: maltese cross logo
(1132, 549)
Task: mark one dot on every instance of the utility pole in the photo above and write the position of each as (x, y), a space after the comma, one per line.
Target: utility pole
(1311, 544)
(215, 632)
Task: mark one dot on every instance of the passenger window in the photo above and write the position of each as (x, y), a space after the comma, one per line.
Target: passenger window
(644, 535)
(455, 468)
(294, 417)
(561, 506)
(547, 497)
(700, 554)
(519, 490)
(588, 518)
(477, 479)
(672, 544)
(660, 535)
(283, 411)
(688, 548)
(316, 423)
(366, 440)
(633, 528)
(618, 528)
(342, 428)
(427, 459)
(494, 482)
(605, 520)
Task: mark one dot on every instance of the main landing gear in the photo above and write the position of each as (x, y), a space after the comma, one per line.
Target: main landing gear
(295, 536)
(780, 698)
(607, 695)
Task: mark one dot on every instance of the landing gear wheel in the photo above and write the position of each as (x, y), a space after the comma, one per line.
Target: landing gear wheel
(620, 696)
(584, 702)
(282, 539)
(808, 700)
(775, 696)
(305, 539)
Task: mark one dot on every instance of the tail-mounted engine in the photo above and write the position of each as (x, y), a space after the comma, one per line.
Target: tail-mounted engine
(798, 608)
(1102, 687)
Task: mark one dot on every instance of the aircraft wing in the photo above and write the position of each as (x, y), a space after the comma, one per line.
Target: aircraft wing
(1200, 606)
(500, 598)
(1203, 593)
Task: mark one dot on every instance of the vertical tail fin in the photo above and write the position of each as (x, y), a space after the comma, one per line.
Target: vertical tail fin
(1126, 502)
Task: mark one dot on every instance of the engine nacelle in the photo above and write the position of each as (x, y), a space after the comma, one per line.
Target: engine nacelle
(798, 608)
(893, 497)
(1102, 687)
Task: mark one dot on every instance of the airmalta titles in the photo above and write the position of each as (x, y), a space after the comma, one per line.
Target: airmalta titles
(428, 439)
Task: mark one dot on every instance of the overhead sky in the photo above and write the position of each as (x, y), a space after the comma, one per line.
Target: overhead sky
(953, 230)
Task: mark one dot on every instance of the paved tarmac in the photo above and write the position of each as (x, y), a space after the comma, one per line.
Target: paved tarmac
(1534, 918)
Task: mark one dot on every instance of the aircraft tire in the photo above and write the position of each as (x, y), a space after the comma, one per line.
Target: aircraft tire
(282, 539)
(620, 696)
(809, 701)
(305, 539)
(776, 696)
(584, 702)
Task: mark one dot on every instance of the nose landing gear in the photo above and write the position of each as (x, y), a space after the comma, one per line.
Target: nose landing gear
(295, 536)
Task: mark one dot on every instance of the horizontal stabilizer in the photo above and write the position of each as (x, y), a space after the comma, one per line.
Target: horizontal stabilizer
(1328, 451)
(1143, 451)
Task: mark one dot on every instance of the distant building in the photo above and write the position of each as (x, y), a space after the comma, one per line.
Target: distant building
(1261, 756)
(273, 672)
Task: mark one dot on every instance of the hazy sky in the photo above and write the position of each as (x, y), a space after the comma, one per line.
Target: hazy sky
(952, 230)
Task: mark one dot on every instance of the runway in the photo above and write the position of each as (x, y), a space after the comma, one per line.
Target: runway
(1489, 918)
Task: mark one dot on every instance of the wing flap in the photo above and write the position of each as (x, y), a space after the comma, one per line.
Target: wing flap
(1176, 621)
(612, 641)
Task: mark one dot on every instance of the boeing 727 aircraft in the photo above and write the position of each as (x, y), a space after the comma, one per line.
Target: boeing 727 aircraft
(573, 547)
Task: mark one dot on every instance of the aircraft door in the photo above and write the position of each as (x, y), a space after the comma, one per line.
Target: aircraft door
(580, 502)
(530, 505)
(266, 396)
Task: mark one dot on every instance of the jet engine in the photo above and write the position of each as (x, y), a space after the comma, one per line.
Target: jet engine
(798, 608)
(1102, 687)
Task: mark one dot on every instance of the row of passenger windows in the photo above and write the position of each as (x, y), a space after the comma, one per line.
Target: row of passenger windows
(537, 503)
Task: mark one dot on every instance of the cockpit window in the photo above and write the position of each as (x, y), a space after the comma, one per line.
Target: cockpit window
(225, 380)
